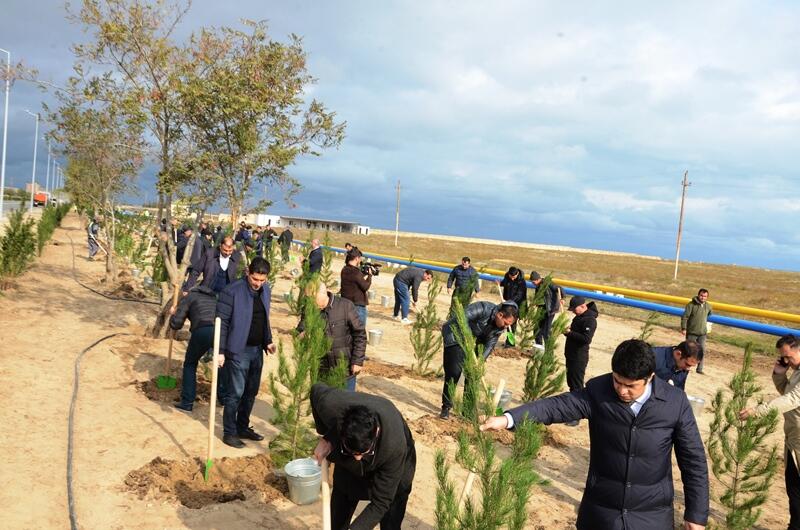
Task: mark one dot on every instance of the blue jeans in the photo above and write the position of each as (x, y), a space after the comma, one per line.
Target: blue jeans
(350, 383)
(242, 375)
(93, 247)
(201, 340)
(401, 298)
(361, 311)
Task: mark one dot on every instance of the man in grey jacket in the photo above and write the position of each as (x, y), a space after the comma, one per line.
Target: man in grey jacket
(406, 280)
(486, 322)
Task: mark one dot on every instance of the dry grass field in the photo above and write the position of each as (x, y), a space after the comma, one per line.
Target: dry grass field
(748, 286)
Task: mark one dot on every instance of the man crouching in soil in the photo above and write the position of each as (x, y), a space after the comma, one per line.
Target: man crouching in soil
(371, 445)
(635, 420)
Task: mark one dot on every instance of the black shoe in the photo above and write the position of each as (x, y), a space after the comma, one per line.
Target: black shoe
(700, 371)
(250, 434)
(233, 441)
(445, 413)
(181, 406)
(574, 423)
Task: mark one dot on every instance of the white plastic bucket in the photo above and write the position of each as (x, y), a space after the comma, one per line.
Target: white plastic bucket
(135, 273)
(287, 297)
(370, 295)
(505, 398)
(305, 478)
(697, 404)
(374, 337)
(384, 300)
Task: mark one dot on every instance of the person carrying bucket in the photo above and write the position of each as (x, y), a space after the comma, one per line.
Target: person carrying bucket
(243, 308)
(200, 306)
(372, 447)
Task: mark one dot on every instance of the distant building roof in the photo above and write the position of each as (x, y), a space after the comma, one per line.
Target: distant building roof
(316, 220)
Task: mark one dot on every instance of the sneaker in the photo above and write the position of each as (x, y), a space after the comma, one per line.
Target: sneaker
(700, 371)
(181, 406)
(396, 317)
(250, 434)
(573, 423)
(406, 321)
(445, 413)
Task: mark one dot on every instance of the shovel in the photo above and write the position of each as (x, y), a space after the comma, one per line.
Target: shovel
(167, 382)
(213, 408)
(510, 338)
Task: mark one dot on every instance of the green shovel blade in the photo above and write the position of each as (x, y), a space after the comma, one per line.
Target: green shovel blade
(209, 463)
(510, 338)
(165, 382)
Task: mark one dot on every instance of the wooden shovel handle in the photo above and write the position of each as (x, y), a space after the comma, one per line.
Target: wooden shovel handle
(176, 292)
(212, 409)
(326, 497)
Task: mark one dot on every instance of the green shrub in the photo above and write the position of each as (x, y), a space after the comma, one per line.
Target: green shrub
(17, 246)
(45, 227)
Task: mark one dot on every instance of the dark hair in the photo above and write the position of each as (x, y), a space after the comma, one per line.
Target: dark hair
(358, 428)
(701, 291)
(259, 266)
(428, 272)
(348, 243)
(512, 271)
(466, 258)
(633, 359)
(352, 254)
(793, 341)
(690, 348)
(509, 310)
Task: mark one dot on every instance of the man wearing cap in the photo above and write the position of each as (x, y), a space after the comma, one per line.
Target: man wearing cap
(579, 337)
(673, 363)
(551, 306)
(486, 321)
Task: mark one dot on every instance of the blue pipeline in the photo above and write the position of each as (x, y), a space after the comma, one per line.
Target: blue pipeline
(758, 327)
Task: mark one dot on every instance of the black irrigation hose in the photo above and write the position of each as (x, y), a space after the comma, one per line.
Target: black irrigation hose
(73, 518)
(104, 295)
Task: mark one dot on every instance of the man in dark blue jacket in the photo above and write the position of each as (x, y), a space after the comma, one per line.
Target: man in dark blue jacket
(673, 363)
(315, 258)
(635, 421)
(245, 333)
(218, 266)
(465, 278)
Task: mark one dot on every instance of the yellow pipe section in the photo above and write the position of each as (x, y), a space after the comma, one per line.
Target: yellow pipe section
(642, 295)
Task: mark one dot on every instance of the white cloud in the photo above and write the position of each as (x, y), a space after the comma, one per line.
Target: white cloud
(606, 200)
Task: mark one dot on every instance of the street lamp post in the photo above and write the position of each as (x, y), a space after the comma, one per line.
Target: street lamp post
(35, 146)
(5, 131)
(47, 177)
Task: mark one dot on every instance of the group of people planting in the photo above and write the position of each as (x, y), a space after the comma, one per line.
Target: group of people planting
(638, 413)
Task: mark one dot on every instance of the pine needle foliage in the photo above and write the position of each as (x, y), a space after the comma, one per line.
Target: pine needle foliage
(649, 326)
(326, 273)
(741, 459)
(291, 389)
(17, 246)
(505, 485)
(275, 262)
(425, 334)
(532, 315)
(544, 373)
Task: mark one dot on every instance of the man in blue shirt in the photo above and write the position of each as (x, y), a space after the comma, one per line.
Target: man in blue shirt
(673, 363)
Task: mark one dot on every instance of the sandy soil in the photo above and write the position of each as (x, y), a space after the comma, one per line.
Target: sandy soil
(136, 458)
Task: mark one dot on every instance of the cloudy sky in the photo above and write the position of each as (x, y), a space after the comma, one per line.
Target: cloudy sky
(561, 123)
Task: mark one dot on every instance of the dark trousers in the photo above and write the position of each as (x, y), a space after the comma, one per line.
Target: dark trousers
(544, 328)
(285, 253)
(242, 379)
(344, 499)
(201, 340)
(700, 340)
(576, 369)
(453, 364)
(793, 491)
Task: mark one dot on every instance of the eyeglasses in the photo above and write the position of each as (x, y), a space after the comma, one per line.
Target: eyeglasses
(369, 452)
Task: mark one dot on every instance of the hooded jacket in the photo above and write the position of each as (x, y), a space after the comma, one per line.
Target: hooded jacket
(515, 290)
(629, 484)
(200, 306)
(695, 316)
(581, 331)
(480, 318)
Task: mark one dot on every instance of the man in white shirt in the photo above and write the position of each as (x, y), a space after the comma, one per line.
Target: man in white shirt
(635, 421)
(219, 267)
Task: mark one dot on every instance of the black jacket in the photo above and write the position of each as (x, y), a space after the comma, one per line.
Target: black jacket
(200, 306)
(376, 477)
(581, 331)
(551, 299)
(480, 318)
(515, 290)
(344, 328)
(208, 267)
(629, 484)
(315, 260)
(285, 239)
(463, 278)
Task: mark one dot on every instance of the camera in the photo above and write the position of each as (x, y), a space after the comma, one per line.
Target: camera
(370, 268)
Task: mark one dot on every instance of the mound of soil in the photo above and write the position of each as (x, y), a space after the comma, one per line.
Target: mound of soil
(127, 290)
(393, 371)
(510, 352)
(431, 428)
(231, 479)
(153, 393)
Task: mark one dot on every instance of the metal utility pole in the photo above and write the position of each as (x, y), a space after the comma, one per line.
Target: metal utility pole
(5, 132)
(397, 215)
(685, 184)
(47, 177)
(35, 146)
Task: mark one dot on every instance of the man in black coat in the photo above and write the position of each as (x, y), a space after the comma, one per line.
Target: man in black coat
(486, 322)
(315, 258)
(515, 289)
(635, 421)
(551, 304)
(285, 241)
(372, 447)
(579, 337)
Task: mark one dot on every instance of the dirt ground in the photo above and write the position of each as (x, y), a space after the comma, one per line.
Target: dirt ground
(138, 461)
